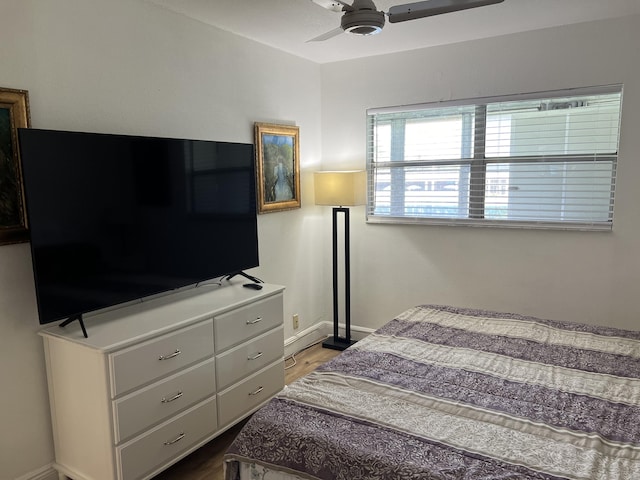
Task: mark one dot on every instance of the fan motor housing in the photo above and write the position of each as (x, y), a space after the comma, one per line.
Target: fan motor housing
(363, 22)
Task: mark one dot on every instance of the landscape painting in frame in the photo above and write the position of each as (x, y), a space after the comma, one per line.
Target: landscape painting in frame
(14, 114)
(277, 167)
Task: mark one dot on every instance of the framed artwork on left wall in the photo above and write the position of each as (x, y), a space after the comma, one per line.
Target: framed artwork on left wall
(14, 114)
(277, 167)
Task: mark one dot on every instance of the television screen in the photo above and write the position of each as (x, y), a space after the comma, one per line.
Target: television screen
(114, 218)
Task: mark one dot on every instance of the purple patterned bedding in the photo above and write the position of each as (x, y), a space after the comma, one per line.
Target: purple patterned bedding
(448, 393)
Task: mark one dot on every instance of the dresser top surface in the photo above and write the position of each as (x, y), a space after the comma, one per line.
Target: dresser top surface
(120, 327)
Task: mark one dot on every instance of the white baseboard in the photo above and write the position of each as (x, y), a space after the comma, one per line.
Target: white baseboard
(318, 332)
(304, 339)
(44, 473)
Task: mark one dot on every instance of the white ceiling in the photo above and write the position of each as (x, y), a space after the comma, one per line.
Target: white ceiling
(288, 24)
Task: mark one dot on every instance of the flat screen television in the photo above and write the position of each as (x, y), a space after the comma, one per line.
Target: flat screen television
(115, 218)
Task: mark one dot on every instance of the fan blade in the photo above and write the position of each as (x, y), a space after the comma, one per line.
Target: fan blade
(327, 36)
(410, 11)
(334, 5)
(346, 6)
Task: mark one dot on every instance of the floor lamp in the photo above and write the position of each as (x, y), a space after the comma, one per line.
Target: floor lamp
(340, 190)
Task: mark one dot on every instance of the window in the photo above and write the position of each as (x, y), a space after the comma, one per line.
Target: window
(539, 160)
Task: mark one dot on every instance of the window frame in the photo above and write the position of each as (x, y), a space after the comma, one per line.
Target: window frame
(478, 163)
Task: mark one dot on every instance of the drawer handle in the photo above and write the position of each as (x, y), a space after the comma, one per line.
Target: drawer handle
(256, 392)
(175, 440)
(255, 357)
(251, 322)
(167, 357)
(169, 400)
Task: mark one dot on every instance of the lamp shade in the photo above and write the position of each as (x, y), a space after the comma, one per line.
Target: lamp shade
(342, 188)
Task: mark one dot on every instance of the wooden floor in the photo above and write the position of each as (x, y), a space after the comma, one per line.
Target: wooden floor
(206, 462)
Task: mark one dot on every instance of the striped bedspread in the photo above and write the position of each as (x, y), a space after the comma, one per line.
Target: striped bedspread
(449, 393)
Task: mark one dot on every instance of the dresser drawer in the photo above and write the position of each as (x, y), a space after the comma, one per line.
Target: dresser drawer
(248, 394)
(151, 405)
(161, 356)
(246, 322)
(156, 447)
(249, 357)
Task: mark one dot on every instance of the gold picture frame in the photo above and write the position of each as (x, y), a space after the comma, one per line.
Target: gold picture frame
(14, 114)
(277, 167)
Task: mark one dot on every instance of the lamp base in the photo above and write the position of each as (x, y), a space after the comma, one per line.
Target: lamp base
(337, 343)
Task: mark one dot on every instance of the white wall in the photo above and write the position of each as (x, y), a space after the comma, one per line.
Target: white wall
(123, 66)
(589, 277)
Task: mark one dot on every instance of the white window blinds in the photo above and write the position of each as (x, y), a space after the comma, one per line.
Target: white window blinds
(539, 160)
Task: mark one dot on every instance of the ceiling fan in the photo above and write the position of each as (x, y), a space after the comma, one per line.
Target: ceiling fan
(363, 18)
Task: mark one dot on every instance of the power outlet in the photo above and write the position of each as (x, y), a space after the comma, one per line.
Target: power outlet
(296, 321)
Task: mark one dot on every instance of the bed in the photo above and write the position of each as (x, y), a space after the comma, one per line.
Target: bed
(451, 393)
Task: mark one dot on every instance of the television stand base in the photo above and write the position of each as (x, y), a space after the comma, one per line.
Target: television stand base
(245, 275)
(79, 319)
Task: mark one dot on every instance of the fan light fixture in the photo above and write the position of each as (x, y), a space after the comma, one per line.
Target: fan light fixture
(363, 22)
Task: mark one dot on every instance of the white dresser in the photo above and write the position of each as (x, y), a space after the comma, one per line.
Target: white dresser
(156, 380)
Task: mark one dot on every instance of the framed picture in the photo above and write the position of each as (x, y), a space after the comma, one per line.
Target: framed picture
(14, 114)
(277, 167)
